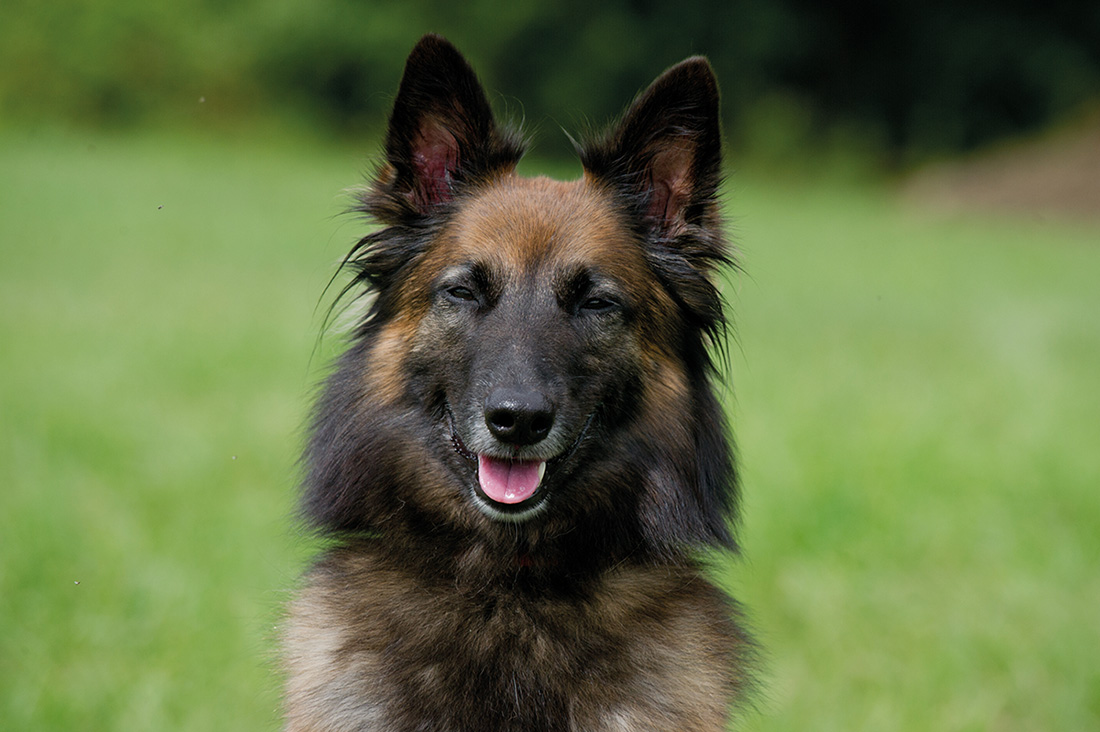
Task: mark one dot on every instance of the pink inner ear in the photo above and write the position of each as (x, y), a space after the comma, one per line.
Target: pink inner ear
(435, 158)
(670, 181)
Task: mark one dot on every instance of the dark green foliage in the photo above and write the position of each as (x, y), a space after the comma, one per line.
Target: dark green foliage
(923, 76)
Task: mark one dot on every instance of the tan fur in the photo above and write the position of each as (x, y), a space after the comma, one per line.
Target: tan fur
(665, 624)
(383, 375)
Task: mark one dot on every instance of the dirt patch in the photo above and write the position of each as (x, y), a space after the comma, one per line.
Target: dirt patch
(1055, 176)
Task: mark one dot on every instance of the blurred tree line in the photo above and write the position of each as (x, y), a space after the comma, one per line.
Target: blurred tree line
(904, 76)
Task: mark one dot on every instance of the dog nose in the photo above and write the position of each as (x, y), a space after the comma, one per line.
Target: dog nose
(518, 417)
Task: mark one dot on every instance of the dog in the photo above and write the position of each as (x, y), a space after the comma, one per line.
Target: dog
(520, 462)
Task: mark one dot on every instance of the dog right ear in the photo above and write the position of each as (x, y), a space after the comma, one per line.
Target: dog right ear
(441, 133)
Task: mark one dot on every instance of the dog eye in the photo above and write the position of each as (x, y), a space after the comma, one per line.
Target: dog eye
(461, 294)
(598, 305)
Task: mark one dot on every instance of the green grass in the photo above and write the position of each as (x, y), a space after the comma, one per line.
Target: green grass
(917, 403)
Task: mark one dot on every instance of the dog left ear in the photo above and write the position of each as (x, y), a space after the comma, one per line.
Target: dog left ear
(665, 154)
(664, 161)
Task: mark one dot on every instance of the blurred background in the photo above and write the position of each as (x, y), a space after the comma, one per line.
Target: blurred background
(902, 80)
(914, 190)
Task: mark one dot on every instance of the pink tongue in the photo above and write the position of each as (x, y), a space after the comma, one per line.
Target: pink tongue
(508, 481)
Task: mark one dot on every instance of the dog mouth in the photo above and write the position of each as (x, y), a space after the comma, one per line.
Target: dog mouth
(510, 488)
(506, 488)
(509, 481)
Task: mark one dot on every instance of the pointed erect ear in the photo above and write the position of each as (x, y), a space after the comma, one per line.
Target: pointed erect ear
(441, 131)
(666, 152)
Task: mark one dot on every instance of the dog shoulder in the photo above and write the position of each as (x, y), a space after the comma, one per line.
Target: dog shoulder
(333, 674)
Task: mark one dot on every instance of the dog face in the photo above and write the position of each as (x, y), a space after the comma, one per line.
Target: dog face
(536, 352)
(535, 294)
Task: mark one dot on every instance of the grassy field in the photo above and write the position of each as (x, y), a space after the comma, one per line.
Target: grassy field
(917, 403)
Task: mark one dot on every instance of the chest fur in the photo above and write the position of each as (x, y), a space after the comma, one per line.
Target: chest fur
(640, 649)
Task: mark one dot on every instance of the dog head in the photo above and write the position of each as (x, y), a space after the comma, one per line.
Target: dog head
(536, 352)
